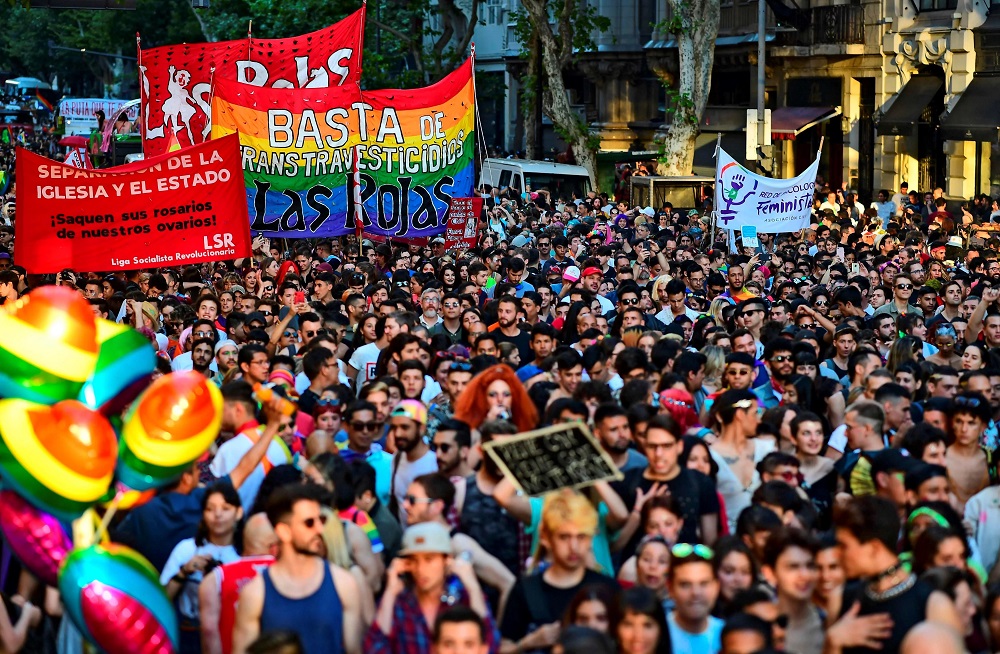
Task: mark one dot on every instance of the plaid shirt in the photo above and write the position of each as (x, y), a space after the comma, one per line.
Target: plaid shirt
(410, 632)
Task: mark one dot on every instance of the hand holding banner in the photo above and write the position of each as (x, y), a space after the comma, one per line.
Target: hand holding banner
(180, 208)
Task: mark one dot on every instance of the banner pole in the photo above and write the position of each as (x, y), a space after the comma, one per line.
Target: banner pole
(250, 40)
(820, 151)
(142, 114)
(713, 217)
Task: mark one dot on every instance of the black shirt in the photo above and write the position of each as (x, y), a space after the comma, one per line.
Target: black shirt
(694, 493)
(533, 603)
(522, 342)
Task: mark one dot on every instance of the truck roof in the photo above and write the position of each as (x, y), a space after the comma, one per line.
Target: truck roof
(535, 166)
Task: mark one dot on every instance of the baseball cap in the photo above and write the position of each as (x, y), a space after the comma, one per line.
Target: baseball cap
(845, 328)
(426, 538)
(256, 316)
(571, 274)
(411, 409)
(555, 270)
(224, 343)
(592, 270)
(520, 241)
(438, 240)
(527, 372)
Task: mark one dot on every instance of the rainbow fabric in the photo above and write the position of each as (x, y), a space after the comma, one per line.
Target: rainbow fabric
(363, 520)
(414, 147)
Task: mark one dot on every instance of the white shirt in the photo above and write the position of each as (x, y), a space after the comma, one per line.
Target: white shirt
(363, 360)
(228, 457)
(184, 551)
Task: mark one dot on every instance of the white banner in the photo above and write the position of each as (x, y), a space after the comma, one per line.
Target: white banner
(774, 206)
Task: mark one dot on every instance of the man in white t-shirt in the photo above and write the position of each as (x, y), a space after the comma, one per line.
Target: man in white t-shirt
(413, 456)
(361, 366)
(238, 417)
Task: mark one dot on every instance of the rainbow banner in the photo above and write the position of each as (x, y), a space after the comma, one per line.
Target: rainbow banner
(414, 150)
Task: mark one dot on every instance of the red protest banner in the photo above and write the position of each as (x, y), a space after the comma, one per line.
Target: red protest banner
(463, 220)
(184, 207)
(176, 80)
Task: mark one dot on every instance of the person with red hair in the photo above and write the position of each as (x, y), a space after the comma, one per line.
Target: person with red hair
(286, 267)
(680, 405)
(496, 394)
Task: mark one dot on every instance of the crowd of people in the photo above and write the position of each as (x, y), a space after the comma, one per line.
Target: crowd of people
(805, 434)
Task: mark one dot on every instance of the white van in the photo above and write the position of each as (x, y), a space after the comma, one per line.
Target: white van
(561, 180)
(78, 113)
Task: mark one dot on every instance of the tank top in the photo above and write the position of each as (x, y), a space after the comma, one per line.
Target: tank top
(906, 610)
(486, 522)
(232, 577)
(318, 619)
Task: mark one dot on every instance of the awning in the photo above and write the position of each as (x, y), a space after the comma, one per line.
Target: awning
(902, 116)
(789, 122)
(975, 116)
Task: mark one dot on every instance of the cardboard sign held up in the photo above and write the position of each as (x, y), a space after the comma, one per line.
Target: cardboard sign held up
(463, 219)
(560, 456)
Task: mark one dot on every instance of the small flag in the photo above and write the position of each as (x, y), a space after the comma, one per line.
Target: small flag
(21, 139)
(173, 145)
(44, 100)
(5, 135)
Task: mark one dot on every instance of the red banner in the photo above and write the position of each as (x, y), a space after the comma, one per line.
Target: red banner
(176, 80)
(185, 207)
(463, 221)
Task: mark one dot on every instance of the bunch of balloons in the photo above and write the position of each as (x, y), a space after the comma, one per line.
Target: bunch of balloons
(65, 378)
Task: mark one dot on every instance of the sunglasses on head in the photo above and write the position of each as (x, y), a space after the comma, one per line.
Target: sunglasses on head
(684, 550)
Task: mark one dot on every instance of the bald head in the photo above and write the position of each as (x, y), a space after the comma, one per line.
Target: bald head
(258, 536)
(932, 638)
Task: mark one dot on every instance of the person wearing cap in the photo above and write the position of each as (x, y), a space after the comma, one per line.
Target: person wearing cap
(422, 583)
(413, 456)
(590, 281)
(226, 353)
(889, 468)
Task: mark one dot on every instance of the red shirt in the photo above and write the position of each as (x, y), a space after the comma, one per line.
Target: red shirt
(231, 578)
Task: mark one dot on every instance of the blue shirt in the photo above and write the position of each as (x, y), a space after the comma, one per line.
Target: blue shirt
(707, 642)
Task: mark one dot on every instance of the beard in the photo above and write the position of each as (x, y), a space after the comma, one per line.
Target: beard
(620, 446)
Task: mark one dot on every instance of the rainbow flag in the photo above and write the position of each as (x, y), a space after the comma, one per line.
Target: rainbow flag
(414, 150)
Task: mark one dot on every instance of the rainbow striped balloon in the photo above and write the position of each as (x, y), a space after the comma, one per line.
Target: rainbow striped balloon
(61, 458)
(125, 362)
(114, 597)
(171, 424)
(37, 539)
(48, 345)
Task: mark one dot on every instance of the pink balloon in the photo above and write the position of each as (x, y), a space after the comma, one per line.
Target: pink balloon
(122, 625)
(36, 538)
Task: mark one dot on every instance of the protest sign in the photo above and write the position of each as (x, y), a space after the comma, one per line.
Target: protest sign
(180, 208)
(176, 80)
(77, 158)
(774, 206)
(749, 234)
(560, 456)
(414, 147)
(463, 219)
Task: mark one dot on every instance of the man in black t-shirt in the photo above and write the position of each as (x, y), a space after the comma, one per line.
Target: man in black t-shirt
(694, 492)
(509, 332)
(536, 604)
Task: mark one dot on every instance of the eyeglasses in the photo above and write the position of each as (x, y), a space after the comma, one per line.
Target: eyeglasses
(451, 305)
(904, 287)
(374, 425)
(413, 499)
(310, 523)
(684, 550)
(788, 476)
(631, 302)
(781, 358)
(202, 334)
(311, 333)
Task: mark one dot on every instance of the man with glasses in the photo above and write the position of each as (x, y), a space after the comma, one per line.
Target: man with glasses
(430, 303)
(900, 303)
(254, 363)
(320, 367)
(363, 430)
(780, 368)
(202, 329)
(451, 443)
(300, 587)
(451, 319)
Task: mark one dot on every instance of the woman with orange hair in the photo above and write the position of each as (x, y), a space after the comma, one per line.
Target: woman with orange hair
(496, 393)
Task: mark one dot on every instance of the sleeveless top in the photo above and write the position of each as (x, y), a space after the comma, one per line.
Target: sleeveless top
(486, 522)
(231, 578)
(318, 619)
(906, 610)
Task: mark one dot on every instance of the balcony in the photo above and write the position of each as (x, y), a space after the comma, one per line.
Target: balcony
(740, 17)
(842, 25)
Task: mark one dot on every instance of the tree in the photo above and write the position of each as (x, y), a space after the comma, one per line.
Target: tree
(695, 24)
(575, 24)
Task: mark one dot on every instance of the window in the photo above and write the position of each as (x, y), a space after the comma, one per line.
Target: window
(505, 179)
(938, 5)
(495, 10)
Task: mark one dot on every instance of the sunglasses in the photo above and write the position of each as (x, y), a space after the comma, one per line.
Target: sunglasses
(631, 303)
(310, 523)
(904, 287)
(684, 550)
(330, 402)
(781, 358)
(290, 334)
(821, 303)
(459, 366)
(374, 425)
(443, 447)
(971, 402)
(807, 325)
(413, 499)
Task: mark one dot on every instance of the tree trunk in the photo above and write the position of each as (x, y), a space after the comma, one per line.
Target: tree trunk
(699, 27)
(570, 126)
(531, 97)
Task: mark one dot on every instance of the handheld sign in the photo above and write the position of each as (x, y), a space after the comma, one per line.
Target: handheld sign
(560, 456)
(749, 233)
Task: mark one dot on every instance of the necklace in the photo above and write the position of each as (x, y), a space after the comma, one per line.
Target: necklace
(893, 591)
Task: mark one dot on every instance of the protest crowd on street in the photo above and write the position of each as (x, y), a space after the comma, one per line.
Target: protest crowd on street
(245, 413)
